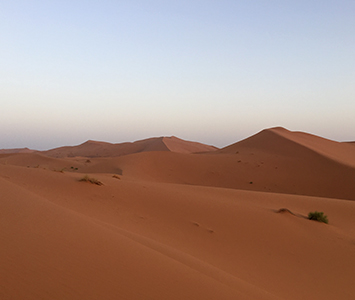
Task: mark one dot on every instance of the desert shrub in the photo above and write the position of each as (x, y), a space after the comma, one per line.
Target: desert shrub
(86, 178)
(318, 216)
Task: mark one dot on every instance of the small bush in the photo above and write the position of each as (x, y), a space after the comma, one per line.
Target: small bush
(318, 216)
(86, 178)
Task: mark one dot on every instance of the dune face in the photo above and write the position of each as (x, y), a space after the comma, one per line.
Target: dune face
(170, 222)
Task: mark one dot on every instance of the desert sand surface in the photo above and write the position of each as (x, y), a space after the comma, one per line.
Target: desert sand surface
(180, 220)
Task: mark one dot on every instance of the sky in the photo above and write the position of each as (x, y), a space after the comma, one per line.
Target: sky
(209, 71)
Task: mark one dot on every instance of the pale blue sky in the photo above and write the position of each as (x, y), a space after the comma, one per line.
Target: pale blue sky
(209, 71)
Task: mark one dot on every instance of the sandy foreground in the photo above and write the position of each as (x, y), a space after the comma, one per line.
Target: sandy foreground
(170, 223)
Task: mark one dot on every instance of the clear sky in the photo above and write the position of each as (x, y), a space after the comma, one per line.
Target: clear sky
(209, 71)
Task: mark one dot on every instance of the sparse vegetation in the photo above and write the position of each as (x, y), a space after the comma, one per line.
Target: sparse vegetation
(86, 178)
(318, 216)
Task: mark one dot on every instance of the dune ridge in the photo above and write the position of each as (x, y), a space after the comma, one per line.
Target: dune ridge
(104, 149)
(177, 145)
(338, 151)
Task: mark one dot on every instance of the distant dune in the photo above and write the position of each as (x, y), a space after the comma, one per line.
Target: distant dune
(102, 149)
(180, 220)
(16, 150)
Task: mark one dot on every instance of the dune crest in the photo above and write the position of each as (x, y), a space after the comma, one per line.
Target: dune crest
(177, 145)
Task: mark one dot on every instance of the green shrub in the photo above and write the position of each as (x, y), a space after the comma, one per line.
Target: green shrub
(318, 216)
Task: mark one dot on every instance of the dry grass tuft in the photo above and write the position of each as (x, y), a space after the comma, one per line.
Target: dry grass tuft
(86, 178)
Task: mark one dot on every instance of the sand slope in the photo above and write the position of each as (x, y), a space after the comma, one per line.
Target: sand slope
(179, 225)
(65, 251)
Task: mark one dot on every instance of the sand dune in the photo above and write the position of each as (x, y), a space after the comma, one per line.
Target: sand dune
(286, 162)
(280, 141)
(16, 150)
(176, 225)
(102, 149)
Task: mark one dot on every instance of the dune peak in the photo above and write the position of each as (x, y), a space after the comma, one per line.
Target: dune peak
(175, 144)
(94, 142)
(277, 129)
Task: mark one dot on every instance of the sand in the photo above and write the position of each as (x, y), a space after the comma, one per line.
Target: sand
(172, 223)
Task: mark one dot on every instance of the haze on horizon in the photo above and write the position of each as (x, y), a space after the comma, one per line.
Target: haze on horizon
(208, 71)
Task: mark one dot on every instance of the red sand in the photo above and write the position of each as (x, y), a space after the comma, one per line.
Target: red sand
(177, 225)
